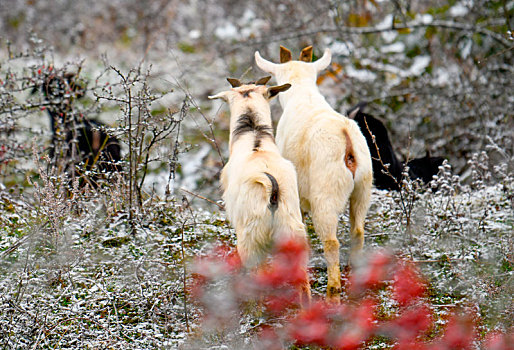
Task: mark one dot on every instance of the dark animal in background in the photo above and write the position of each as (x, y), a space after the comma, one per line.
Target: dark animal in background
(382, 154)
(77, 142)
(424, 168)
(381, 150)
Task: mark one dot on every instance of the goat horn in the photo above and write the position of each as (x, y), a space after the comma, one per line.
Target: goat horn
(265, 65)
(324, 61)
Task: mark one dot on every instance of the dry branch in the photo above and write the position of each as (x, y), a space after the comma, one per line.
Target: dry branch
(507, 42)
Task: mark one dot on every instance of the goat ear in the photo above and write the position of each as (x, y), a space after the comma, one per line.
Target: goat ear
(234, 82)
(263, 81)
(222, 95)
(306, 54)
(324, 61)
(285, 55)
(266, 66)
(274, 90)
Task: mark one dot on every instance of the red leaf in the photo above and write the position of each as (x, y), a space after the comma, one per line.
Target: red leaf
(311, 326)
(287, 267)
(269, 339)
(410, 345)
(407, 285)
(363, 316)
(499, 341)
(349, 341)
(280, 302)
(373, 275)
(459, 333)
(411, 324)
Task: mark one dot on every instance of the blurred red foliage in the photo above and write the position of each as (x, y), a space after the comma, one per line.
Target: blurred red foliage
(311, 325)
(499, 341)
(408, 285)
(285, 269)
(373, 274)
(350, 325)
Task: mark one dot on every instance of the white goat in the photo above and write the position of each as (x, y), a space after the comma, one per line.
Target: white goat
(330, 153)
(260, 187)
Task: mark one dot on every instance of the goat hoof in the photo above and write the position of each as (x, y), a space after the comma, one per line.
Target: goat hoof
(334, 295)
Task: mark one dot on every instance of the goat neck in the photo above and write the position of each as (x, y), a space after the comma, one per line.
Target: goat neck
(246, 100)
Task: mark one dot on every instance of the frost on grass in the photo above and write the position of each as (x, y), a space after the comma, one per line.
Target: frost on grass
(102, 288)
(98, 270)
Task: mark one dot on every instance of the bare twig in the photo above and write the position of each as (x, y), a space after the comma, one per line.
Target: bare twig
(204, 198)
(212, 140)
(186, 206)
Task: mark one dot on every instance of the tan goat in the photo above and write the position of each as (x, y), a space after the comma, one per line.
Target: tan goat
(260, 186)
(329, 152)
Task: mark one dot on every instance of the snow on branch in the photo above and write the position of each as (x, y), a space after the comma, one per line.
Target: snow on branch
(471, 28)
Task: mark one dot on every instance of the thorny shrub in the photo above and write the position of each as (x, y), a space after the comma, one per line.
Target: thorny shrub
(149, 136)
(223, 288)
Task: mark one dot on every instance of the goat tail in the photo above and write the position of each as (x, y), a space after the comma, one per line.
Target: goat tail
(270, 184)
(273, 199)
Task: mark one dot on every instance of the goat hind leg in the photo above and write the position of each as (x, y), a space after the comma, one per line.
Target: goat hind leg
(326, 228)
(359, 205)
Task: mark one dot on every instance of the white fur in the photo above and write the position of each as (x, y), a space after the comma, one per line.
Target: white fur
(246, 187)
(312, 135)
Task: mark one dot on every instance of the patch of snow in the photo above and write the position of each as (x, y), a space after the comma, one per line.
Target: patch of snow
(248, 16)
(360, 74)
(228, 31)
(256, 26)
(389, 36)
(458, 10)
(424, 18)
(465, 48)
(191, 163)
(445, 75)
(342, 48)
(395, 47)
(195, 34)
(386, 22)
(156, 182)
(419, 65)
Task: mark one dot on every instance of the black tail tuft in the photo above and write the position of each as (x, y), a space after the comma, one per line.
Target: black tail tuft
(273, 200)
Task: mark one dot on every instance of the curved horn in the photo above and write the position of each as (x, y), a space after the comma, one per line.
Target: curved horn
(234, 82)
(221, 95)
(266, 66)
(263, 81)
(324, 61)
